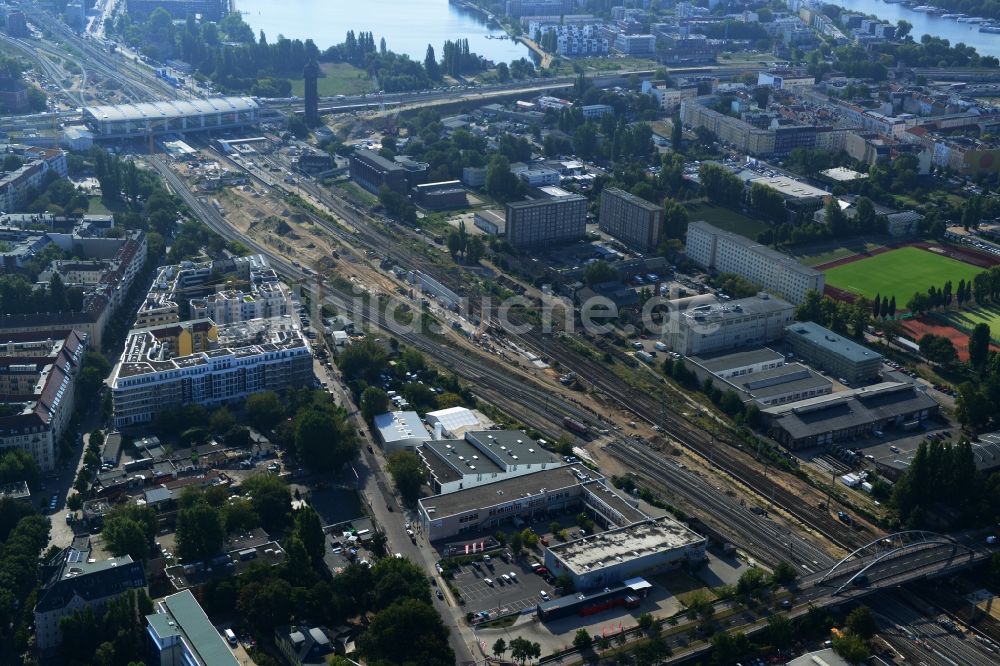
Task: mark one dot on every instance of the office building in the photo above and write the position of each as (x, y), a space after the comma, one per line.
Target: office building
(726, 252)
(38, 378)
(179, 10)
(705, 326)
(634, 221)
(441, 196)
(639, 46)
(372, 171)
(248, 357)
(73, 581)
(482, 457)
(608, 558)
(141, 120)
(559, 217)
(842, 358)
(182, 634)
(482, 509)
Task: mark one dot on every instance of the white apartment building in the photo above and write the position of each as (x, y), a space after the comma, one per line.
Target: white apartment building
(267, 300)
(249, 357)
(726, 252)
(714, 326)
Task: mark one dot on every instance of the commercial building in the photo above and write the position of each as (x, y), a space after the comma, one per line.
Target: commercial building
(537, 176)
(456, 421)
(139, 121)
(714, 326)
(519, 8)
(179, 10)
(492, 222)
(441, 196)
(848, 415)
(833, 353)
(181, 634)
(727, 252)
(74, 580)
(372, 171)
(249, 357)
(648, 546)
(559, 217)
(634, 221)
(400, 430)
(785, 79)
(37, 389)
(775, 386)
(737, 364)
(481, 457)
(639, 46)
(529, 497)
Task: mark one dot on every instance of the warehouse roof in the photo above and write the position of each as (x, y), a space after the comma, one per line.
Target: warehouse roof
(401, 426)
(171, 109)
(631, 542)
(781, 380)
(824, 338)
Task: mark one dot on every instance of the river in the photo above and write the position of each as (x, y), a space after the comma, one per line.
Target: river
(925, 24)
(408, 26)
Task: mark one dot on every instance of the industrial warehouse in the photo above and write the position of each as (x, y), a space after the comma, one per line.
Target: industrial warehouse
(131, 121)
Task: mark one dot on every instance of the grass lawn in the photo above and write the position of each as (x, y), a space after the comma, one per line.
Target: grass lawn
(97, 206)
(339, 78)
(899, 273)
(726, 218)
(819, 258)
(965, 320)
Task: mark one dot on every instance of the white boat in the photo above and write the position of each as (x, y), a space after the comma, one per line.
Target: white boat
(923, 8)
(952, 16)
(970, 19)
(992, 29)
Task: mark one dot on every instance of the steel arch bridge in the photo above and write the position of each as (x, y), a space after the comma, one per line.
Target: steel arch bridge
(885, 548)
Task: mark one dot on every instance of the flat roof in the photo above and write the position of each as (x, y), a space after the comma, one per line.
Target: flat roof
(400, 426)
(832, 342)
(716, 310)
(197, 630)
(716, 363)
(462, 457)
(790, 187)
(777, 381)
(631, 198)
(843, 174)
(171, 109)
(625, 543)
(506, 490)
(512, 447)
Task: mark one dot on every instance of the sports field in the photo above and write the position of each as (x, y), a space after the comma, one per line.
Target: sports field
(899, 273)
(966, 320)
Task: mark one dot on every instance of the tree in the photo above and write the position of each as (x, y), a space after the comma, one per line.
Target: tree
(264, 410)
(719, 184)
(270, 499)
(521, 650)
(598, 272)
(582, 640)
(938, 349)
(265, 604)
(309, 529)
(499, 648)
(850, 647)
(408, 474)
(222, 421)
(861, 622)
(124, 536)
(501, 184)
(675, 219)
(407, 632)
(18, 465)
(74, 502)
(780, 631)
(676, 134)
(431, 64)
(783, 574)
(374, 401)
(979, 345)
(903, 28)
(199, 532)
(323, 440)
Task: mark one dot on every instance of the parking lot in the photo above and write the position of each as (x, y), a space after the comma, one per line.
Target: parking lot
(523, 590)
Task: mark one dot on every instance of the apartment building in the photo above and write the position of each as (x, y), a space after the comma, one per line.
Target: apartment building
(248, 357)
(38, 163)
(702, 327)
(668, 99)
(634, 221)
(179, 10)
(726, 252)
(75, 580)
(38, 374)
(752, 140)
(559, 217)
(519, 8)
(264, 301)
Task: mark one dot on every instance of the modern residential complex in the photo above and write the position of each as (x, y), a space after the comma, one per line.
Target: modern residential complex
(634, 221)
(833, 353)
(249, 357)
(519, 8)
(556, 217)
(702, 326)
(179, 10)
(75, 580)
(141, 120)
(726, 252)
(38, 374)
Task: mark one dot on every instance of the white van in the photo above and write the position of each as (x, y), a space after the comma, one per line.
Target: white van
(230, 637)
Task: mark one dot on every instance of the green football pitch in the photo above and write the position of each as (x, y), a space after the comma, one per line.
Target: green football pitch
(899, 273)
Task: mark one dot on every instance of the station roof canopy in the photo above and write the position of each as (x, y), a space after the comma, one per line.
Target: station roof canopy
(172, 109)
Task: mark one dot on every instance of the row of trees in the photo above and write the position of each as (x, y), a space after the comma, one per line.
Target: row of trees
(113, 635)
(839, 316)
(23, 535)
